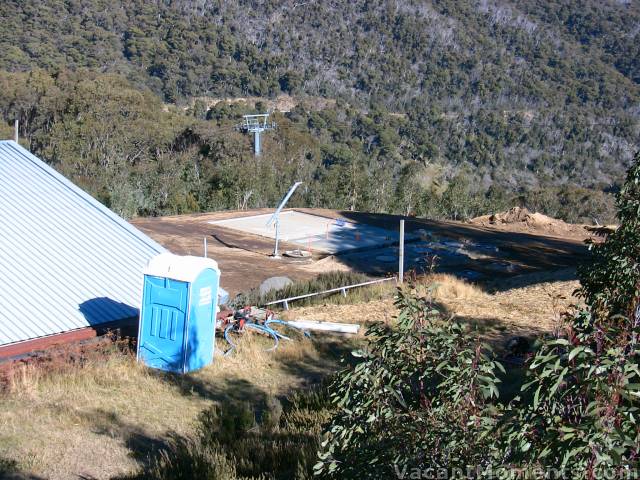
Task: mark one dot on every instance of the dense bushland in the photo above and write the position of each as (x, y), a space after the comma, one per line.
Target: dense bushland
(440, 108)
(140, 157)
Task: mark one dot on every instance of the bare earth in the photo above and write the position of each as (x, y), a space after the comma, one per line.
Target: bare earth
(245, 262)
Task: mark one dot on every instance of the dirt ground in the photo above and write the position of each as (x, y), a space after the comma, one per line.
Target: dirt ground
(518, 219)
(245, 262)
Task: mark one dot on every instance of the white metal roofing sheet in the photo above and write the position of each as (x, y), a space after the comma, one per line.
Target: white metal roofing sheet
(66, 261)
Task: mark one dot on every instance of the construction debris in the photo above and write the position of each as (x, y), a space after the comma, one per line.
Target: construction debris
(523, 220)
(352, 328)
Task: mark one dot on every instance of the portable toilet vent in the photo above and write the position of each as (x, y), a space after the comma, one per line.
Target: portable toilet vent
(177, 319)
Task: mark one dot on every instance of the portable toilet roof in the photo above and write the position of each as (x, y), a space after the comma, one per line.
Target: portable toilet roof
(184, 268)
(66, 261)
(177, 267)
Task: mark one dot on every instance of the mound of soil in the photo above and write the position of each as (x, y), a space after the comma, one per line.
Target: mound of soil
(521, 219)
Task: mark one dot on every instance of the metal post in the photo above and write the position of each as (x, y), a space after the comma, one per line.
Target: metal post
(401, 259)
(256, 142)
(15, 131)
(205, 246)
(275, 250)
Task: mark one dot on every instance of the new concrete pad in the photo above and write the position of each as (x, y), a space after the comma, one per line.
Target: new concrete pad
(314, 232)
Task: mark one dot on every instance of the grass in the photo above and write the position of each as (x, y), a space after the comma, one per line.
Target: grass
(533, 307)
(234, 441)
(324, 281)
(121, 412)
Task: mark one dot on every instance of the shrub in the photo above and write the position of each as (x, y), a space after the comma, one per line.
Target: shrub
(581, 402)
(422, 396)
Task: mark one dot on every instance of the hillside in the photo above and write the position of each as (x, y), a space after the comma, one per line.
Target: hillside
(53, 413)
(532, 102)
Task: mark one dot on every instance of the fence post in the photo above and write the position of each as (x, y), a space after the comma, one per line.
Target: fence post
(401, 254)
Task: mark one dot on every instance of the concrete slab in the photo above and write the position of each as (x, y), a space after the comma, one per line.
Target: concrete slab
(314, 232)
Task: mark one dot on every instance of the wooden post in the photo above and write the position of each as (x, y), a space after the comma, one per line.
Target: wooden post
(15, 131)
(401, 254)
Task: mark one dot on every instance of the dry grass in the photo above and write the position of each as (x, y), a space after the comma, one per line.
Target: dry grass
(534, 306)
(362, 313)
(448, 287)
(325, 281)
(526, 311)
(104, 418)
(48, 424)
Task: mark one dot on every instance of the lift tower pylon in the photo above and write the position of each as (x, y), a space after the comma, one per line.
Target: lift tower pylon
(257, 124)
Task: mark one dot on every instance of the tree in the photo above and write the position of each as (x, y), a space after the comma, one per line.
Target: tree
(579, 413)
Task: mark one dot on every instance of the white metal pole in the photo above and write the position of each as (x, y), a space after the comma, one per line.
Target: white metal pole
(401, 259)
(15, 131)
(275, 251)
(205, 246)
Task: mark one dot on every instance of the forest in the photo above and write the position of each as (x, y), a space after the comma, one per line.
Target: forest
(439, 108)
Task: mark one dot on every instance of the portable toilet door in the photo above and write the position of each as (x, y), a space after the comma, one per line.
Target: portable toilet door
(178, 315)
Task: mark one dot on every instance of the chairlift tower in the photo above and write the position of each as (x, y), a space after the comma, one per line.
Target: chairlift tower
(256, 124)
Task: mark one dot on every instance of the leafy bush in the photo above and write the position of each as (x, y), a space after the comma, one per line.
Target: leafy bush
(582, 397)
(423, 395)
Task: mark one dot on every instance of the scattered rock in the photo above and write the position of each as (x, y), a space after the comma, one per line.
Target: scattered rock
(274, 283)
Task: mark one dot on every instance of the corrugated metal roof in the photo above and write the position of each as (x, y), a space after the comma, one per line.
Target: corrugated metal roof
(66, 261)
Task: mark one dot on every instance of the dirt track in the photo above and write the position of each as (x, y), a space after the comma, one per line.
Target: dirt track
(245, 263)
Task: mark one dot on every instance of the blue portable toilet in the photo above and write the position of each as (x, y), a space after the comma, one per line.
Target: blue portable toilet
(178, 314)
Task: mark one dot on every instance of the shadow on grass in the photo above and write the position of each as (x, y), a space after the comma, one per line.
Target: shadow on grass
(220, 389)
(140, 443)
(332, 353)
(9, 471)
